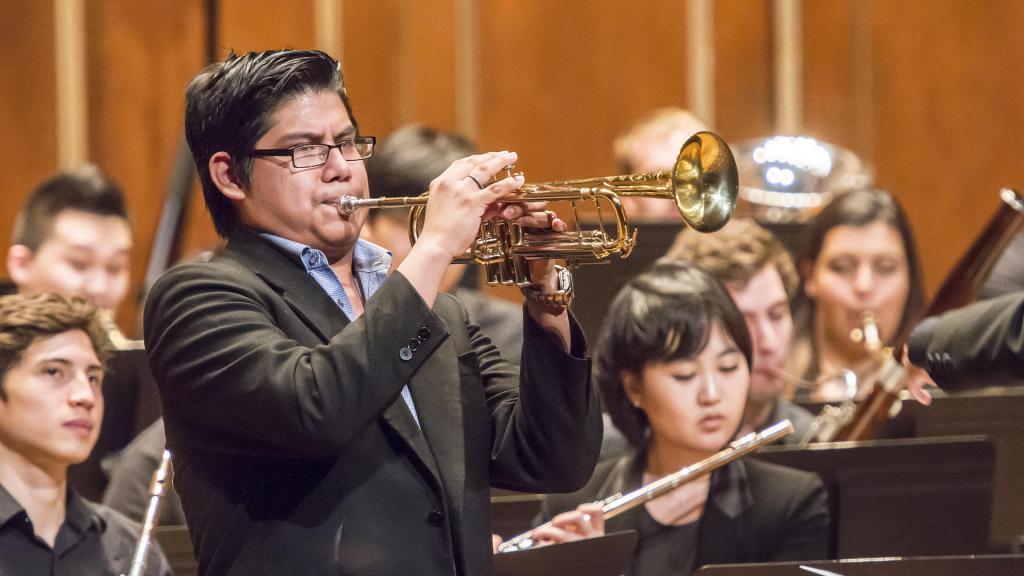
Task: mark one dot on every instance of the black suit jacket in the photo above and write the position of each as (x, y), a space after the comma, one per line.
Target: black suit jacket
(771, 513)
(977, 345)
(294, 452)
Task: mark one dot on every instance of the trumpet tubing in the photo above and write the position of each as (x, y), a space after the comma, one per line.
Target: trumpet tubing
(702, 183)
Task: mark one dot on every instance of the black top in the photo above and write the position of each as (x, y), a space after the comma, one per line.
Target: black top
(664, 550)
(94, 541)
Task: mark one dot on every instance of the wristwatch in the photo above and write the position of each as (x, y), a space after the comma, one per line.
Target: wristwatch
(555, 302)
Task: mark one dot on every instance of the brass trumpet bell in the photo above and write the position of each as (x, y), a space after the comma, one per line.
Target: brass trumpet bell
(703, 184)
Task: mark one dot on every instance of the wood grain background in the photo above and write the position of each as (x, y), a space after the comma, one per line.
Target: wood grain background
(929, 92)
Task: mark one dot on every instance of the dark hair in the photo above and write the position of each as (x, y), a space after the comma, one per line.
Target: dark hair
(860, 208)
(26, 318)
(230, 105)
(410, 158)
(736, 253)
(85, 189)
(662, 315)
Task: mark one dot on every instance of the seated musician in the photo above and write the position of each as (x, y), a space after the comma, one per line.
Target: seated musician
(859, 257)
(72, 237)
(404, 165)
(652, 143)
(51, 371)
(673, 364)
(760, 277)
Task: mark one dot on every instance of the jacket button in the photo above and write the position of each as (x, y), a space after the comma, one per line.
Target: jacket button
(434, 517)
(405, 354)
(423, 334)
(414, 344)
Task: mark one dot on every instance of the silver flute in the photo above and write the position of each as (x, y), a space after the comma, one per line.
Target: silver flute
(617, 504)
(156, 491)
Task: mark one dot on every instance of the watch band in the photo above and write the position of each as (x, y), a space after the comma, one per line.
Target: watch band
(555, 301)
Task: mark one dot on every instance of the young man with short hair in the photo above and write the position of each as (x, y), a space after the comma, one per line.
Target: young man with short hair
(51, 372)
(72, 237)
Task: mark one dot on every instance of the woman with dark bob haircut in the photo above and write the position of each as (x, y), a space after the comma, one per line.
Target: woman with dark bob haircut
(859, 257)
(673, 364)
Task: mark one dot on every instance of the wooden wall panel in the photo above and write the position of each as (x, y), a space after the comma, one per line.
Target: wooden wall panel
(140, 58)
(373, 43)
(246, 26)
(558, 85)
(28, 130)
(948, 79)
(743, 69)
(929, 92)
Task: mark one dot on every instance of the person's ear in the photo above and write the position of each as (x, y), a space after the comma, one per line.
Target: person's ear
(632, 387)
(19, 264)
(222, 173)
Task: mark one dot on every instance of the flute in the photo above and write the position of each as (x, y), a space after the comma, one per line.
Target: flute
(156, 492)
(617, 504)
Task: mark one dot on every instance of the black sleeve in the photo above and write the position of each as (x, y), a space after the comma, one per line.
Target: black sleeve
(235, 381)
(978, 345)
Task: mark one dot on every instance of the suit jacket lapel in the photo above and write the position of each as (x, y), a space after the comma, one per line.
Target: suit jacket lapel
(315, 308)
(289, 278)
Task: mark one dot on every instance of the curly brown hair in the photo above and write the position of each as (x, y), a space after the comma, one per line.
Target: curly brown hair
(736, 253)
(24, 319)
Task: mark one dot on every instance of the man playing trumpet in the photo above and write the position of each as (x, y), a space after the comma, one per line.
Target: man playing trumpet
(325, 417)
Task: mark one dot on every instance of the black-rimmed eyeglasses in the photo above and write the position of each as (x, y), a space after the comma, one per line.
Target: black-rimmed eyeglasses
(313, 155)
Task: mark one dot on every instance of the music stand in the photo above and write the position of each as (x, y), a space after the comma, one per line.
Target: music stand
(912, 497)
(597, 284)
(610, 555)
(996, 413)
(1008, 565)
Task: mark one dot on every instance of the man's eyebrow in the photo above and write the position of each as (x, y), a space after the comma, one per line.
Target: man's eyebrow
(346, 133)
(299, 137)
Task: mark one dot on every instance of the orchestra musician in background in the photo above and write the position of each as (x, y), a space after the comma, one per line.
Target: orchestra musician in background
(759, 275)
(859, 256)
(325, 416)
(72, 237)
(673, 364)
(52, 354)
(652, 143)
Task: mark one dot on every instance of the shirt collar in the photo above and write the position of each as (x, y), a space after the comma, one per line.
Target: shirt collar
(79, 515)
(366, 256)
(9, 507)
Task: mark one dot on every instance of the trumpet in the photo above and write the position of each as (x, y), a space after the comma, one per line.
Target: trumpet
(702, 183)
(617, 504)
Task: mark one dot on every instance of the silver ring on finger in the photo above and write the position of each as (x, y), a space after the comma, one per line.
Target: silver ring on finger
(475, 181)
